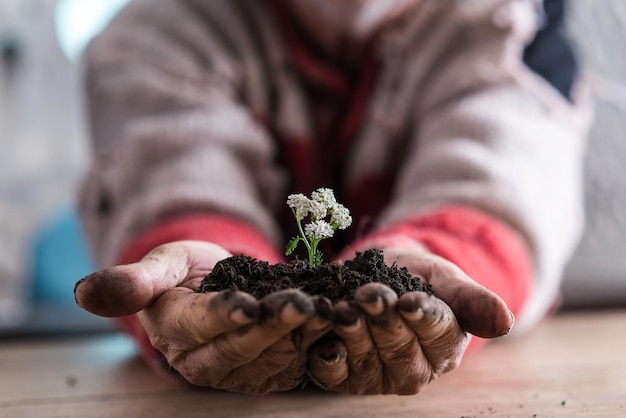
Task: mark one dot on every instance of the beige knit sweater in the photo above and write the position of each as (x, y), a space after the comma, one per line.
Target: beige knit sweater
(176, 90)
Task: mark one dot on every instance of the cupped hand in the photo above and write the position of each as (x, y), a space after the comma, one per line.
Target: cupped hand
(224, 340)
(385, 344)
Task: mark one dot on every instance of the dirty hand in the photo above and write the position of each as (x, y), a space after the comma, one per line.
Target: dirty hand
(224, 340)
(386, 344)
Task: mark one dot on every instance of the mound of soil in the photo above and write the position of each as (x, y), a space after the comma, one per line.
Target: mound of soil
(336, 282)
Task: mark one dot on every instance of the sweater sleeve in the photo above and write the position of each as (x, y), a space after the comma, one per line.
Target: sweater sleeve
(494, 136)
(173, 128)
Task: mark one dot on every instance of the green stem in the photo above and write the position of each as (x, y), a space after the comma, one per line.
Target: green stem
(312, 252)
(306, 242)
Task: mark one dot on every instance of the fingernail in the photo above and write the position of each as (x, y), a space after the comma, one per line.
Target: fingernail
(244, 307)
(76, 286)
(238, 316)
(328, 353)
(348, 317)
(415, 315)
(331, 360)
(303, 305)
(324, 309)
(512, 322)
(374, 306)
(290, 314)
(411, 305)
(78, 283)
(408, 305)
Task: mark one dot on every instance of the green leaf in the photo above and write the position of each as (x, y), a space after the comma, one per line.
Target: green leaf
(318, 259)
(291, 246)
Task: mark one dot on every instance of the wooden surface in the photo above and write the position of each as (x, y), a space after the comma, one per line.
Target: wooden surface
(573, 365)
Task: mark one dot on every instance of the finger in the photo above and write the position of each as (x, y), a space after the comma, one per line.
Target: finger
(441, 338)
(385, 324)
(406, 369)
(279, 367)
(358, 370)
(328, 367)
(215, 364)
(127, 289)
(478, 310)
(318, 324)
(192, 319)
(268, 373)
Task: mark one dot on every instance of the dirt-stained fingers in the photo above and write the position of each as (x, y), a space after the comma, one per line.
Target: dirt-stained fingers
(282, 365)
(332, 359)
(405, 367)
(249, 358)
(385, 344)
(440, 336)
(480, 311)
(182, 320)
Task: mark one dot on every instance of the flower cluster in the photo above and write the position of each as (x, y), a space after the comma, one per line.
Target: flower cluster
(318, 208)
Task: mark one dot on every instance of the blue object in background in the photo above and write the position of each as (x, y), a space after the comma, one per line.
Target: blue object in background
(60, 257)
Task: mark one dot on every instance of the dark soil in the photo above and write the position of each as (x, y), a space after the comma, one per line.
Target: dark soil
(335, 282)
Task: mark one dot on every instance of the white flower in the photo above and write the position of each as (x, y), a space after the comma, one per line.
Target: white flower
(300, 205)
(340, 216)
(319, 230)
(318, 210)
(326, 196)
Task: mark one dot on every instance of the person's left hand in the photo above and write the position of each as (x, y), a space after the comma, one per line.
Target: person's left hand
(383, 344)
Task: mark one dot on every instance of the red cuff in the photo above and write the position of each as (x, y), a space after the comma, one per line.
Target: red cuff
(236, 237)
(486, 249)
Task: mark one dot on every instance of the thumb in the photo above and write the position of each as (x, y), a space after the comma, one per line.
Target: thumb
(127, 289)
(478, 310)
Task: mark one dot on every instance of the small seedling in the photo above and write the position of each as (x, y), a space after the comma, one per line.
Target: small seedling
(318, 208)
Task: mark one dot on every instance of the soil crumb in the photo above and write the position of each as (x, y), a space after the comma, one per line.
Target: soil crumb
(336, 282)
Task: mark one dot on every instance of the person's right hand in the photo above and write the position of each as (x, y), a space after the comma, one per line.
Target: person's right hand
(224, 340)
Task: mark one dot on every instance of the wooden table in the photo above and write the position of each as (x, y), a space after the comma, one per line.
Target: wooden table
(573, 365)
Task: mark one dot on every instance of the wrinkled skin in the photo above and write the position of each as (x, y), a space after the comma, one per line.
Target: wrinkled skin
(226, 340)
(232, 341)
(385, 344)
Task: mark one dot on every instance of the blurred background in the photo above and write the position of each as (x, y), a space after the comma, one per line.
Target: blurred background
(44, 151)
